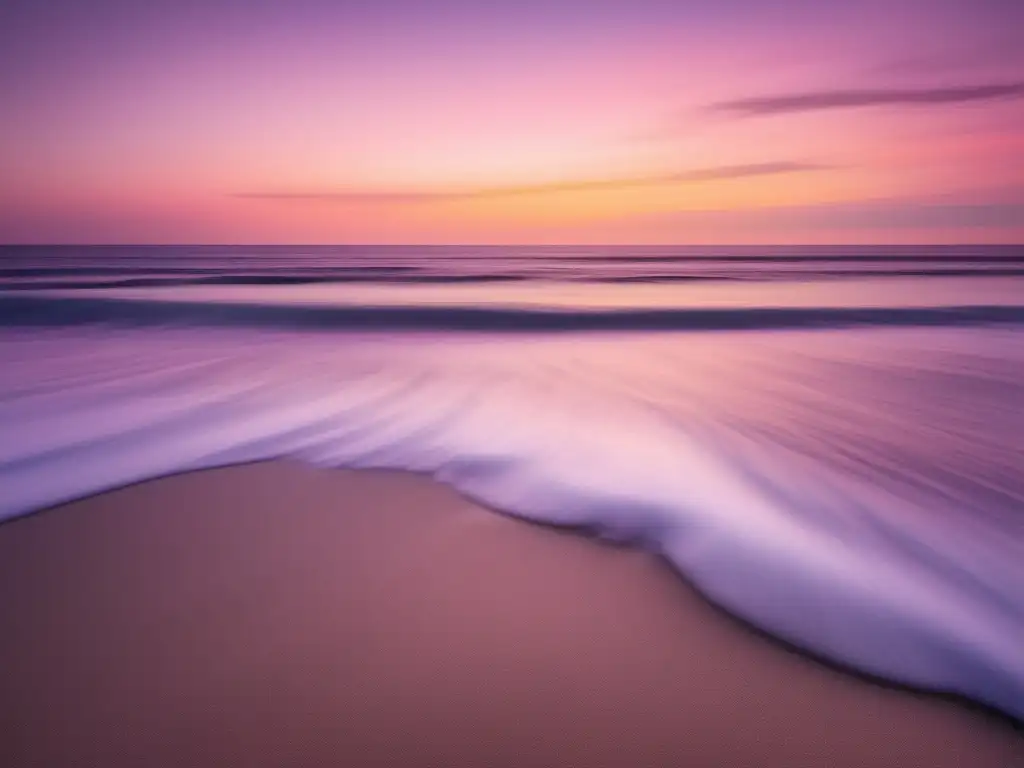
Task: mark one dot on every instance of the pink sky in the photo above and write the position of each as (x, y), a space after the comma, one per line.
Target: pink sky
(643, 121)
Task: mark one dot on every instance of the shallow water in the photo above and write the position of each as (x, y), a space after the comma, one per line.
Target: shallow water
(856, 491)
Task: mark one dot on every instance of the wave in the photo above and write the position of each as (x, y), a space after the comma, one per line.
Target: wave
(17, 310)
(861, 499)
(44, 279)
(766, 274)
(162, 269)
(982, 257)
(377, 276)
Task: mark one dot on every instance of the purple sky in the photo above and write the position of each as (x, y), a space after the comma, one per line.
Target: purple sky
(639, 121)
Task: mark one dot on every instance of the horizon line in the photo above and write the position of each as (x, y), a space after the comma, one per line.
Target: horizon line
(299, 244)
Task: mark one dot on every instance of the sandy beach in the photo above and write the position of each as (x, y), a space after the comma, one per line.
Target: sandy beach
(275, 614)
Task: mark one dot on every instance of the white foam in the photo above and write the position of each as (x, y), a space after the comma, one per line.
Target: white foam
(678, 445)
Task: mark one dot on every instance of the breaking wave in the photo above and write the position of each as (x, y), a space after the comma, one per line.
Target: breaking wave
(862, 500)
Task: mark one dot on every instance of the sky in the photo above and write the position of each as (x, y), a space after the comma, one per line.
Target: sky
(563, 121)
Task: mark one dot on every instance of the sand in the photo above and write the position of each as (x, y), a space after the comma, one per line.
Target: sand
(279, 615)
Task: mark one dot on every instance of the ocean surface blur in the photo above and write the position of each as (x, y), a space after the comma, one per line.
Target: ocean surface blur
(827, 441)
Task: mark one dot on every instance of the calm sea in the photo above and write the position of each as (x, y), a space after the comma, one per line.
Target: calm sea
(827, 441)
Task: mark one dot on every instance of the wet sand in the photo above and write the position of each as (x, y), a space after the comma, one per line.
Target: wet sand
(280, 615)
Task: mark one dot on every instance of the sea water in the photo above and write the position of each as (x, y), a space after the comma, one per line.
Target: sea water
(828, 442)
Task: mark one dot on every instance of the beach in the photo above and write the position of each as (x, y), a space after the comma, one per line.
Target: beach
(278, 614)
(280, 507)
(418, 384)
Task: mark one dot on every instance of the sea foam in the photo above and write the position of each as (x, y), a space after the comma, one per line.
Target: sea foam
(861, 500)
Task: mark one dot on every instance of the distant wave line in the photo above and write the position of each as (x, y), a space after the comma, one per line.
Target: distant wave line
(406, 276)
(18, 310)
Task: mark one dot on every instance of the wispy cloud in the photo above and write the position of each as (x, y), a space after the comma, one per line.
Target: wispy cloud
(692, 176)
(846, 99)
(1004, 211)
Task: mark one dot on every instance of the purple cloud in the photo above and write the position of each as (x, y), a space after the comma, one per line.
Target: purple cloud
(846, 99)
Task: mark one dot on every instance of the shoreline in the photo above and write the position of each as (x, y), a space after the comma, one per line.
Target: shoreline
(168, 607)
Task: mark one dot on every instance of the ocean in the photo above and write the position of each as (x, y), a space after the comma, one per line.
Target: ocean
(828, 442)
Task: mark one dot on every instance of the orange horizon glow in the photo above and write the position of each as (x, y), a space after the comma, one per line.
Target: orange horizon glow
(634, 122)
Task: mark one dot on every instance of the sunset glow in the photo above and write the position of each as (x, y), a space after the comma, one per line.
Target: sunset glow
(444, 121)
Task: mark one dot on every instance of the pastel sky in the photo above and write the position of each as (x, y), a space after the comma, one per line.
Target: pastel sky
(516, 121)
